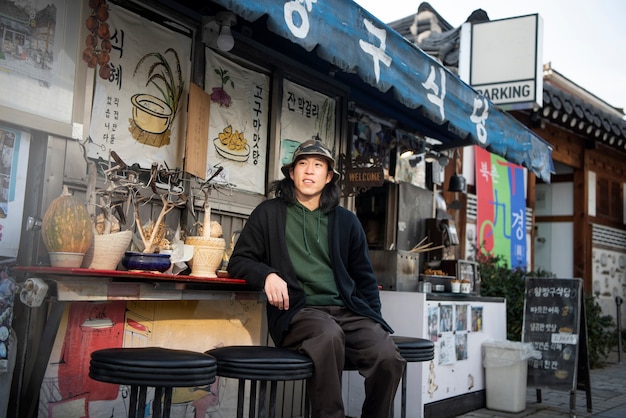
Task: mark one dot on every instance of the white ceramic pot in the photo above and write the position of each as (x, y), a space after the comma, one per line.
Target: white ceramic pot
(466, 287)
(456, 287)
(66, 260)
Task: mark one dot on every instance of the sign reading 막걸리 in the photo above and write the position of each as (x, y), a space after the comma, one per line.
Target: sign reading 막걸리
(552, 315)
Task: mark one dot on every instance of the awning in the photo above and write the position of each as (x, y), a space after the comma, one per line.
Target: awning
(349, 37)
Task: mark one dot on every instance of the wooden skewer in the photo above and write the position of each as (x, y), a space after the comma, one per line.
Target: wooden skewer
(426, 248)
(421, 242)
(419, 248)
(435, 248)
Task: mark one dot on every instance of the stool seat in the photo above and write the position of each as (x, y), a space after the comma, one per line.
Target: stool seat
(147, 379)
(160, 368)
(260, 364)
(411, 344)
(414, 349)
(148, 357)
(183, 371)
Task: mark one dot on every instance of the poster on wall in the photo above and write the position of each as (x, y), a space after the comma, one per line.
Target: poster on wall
(14, 150)
(141, 88)
(238, 122)
(68, 391)
(501, 211)
(305, 114)
(36, 57)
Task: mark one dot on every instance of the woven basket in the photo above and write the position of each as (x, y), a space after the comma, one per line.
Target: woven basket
(208, 253)
(107, 250)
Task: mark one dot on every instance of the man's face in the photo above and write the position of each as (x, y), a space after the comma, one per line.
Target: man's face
(310, 174)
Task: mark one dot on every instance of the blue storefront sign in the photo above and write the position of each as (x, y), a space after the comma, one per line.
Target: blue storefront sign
(357, 43)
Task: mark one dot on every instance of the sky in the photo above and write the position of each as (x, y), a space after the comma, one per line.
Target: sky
(584, 40)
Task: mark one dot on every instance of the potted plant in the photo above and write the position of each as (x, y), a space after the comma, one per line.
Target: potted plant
(104, 206)
(123, 189)
(209, 245)
(152, 235)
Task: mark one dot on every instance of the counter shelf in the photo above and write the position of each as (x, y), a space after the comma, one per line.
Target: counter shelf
(123, 274)
(449, 296)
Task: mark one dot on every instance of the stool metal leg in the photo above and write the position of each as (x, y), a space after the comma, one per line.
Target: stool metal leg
(403, 401)
(307, 403)
(262, 395)
(252, 412)
(141, 403)
(156, 403)
(273, 386)
(240, 397)
(132, 407)
(167, 403)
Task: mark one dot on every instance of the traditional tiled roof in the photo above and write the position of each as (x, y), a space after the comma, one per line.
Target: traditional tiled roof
(571, 112)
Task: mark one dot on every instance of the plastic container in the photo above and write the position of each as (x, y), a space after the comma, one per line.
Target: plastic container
(506, 366)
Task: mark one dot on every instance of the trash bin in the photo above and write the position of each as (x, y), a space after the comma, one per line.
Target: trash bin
(506, 365)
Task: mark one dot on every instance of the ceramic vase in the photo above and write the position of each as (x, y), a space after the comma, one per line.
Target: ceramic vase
(208, 254)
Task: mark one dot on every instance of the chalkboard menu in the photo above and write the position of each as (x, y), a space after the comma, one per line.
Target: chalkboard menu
(552, 317)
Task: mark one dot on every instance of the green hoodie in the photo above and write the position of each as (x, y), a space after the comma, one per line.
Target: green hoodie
(307, 243)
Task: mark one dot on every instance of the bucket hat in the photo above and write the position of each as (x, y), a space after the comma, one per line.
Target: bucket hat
(312, 147)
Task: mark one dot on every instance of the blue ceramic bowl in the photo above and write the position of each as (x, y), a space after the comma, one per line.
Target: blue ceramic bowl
(146, 261)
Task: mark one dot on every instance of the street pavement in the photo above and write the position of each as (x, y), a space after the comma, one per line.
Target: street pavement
(608, 397)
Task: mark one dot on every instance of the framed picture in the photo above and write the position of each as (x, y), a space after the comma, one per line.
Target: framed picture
(37, 49)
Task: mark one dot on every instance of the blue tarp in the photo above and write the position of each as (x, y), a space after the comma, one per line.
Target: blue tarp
(349, 37)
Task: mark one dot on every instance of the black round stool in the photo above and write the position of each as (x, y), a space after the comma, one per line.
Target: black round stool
(412, 349)
(160, 368)
(261, 364)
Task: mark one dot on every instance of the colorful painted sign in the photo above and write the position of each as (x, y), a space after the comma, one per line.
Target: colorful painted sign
(501, 212)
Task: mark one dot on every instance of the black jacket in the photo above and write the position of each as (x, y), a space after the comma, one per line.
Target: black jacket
(261, 249)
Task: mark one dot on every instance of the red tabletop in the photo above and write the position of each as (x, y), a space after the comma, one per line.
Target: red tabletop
(122, 274)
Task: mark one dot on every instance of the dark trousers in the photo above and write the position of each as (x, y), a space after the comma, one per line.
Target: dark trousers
(332, 334)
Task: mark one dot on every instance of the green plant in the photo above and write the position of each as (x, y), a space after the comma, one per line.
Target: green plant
(601, 334)
(496, 279)
(500, 281)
